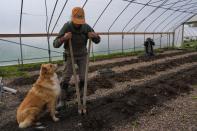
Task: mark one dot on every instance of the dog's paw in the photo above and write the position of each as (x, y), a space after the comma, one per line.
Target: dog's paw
(55, 119)
(56, 112)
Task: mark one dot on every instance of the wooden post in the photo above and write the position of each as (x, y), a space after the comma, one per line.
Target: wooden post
(1, 89)
(167, 40)
(160, 40)
(108, 45)
(134, 41)
(173, 39)
(122, 43)
(182, 41)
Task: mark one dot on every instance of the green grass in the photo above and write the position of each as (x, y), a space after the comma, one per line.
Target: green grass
(16, 70)
(11, 71)
(192, 44)
(194, 97)
(135, 124)
(194, 86)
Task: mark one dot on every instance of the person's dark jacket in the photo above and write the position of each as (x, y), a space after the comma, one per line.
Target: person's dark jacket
(79, 38)
(149, 43)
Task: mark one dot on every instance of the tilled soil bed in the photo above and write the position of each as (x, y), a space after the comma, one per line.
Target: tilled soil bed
(98, 82)
(137, 60)
(31, 79)
(109, 111)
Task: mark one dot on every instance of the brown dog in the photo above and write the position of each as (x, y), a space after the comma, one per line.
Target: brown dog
(44, 94)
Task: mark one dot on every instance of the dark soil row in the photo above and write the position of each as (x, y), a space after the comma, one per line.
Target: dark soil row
(32, 79)
(152, 69)
(102, 82)
(111, 110)
(107, 82)
(132, 61)
(96, 67)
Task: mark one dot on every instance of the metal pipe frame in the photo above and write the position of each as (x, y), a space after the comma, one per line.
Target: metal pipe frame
(116, 20)
(137, 25)
(135, 15)
(159, 7)
(191, 11)
(102, 13)
(20, 24)
(48, 38)
(180, 23)
(161, 15)
(35, 47)
(59, 16)
(161, 23)
(186, 5)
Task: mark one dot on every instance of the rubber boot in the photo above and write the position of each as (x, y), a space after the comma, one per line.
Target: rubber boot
(68, 90)
(81, 89)
(62, 102)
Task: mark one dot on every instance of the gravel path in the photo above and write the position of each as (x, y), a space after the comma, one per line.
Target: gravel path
(179, 114)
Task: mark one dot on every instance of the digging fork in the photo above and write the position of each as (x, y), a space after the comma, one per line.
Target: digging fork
(80, 109)
(86, 78)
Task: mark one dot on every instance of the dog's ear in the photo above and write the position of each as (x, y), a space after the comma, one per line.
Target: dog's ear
(43, 69)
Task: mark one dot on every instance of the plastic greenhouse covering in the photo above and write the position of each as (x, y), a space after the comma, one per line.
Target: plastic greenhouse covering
(48, 16)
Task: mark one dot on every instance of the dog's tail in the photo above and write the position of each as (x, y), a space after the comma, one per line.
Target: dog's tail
(26, 123)
(29, 115)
